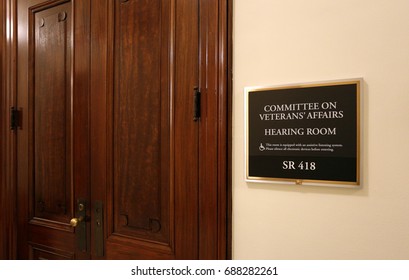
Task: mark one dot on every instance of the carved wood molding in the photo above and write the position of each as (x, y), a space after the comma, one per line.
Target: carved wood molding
(62, 16)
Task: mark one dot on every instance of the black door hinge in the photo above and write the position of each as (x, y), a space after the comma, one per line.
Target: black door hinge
(14, 118)
(196, 104)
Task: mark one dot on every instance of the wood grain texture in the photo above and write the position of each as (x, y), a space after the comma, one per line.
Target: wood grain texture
(132, 143)
(139, 68)
(52, 142)
(141, 130)
(214, 176)
(41, 252)
(172, 69)
(227, 66)
(3, 217)
(8, 191)
(81, 112)
(186, 131)
(50, 104)
(99, 126)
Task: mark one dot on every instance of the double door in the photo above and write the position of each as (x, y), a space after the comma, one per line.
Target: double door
(118, 154)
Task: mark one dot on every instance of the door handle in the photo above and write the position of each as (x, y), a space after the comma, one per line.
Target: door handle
(80, 225)
(75, 221)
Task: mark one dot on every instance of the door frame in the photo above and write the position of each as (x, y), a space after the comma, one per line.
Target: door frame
(222, 123)
(8, 196)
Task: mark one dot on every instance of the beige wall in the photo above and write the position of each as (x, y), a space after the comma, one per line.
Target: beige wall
(280, 42)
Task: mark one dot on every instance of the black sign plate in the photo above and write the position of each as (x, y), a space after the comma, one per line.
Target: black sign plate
(304, 133)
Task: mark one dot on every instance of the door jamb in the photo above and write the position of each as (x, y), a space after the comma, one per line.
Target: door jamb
(8, 234)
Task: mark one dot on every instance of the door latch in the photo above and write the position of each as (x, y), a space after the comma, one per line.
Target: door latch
(99, 228)
(196, 104)
(15, 118)
(80, 225)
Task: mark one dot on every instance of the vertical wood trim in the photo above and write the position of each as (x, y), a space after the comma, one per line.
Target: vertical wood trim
(81, 60)
(12, 143)
(2, 162)
(8, 233)
(100, 84)
(186, 141)
(209, 123)
(229, 106)
(224, 132)
(215, 130)
(223, 174)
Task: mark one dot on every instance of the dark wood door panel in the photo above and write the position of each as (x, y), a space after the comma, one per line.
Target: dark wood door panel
(54, 240)
(50, 111)
(150, 139)
(49, 97)
(123, 247)
(141, 120)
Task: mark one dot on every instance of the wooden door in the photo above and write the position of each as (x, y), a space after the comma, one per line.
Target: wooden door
(145, 165)
(106, 94)
(52, 130)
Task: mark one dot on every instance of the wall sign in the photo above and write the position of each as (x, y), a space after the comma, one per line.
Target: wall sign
(304, 134)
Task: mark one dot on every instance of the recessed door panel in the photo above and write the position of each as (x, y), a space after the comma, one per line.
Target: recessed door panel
(52, 138)
(141, 130)
(148, 54)
(51, 108)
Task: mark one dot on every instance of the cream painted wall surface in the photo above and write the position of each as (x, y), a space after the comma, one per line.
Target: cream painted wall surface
(281, 42)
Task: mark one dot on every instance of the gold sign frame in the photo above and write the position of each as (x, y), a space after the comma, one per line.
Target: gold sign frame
(301, 181)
